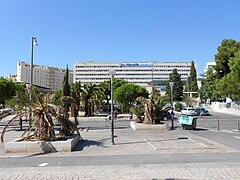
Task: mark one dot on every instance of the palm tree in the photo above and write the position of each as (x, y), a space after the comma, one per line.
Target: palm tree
(89, 91)
(138, 111)
(160, 103)
(43, 122)
(76, 95)
(98, 98)
(149, 109)
(43, 119)
(67, 126)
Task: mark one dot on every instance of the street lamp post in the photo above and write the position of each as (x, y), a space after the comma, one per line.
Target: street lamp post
(34, 43)
(152, 83)
(172, 114)
(188, 86)
(112, 73)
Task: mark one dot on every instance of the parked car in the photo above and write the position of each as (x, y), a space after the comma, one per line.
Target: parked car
(188, 111)
(165, 115)
(202, 112)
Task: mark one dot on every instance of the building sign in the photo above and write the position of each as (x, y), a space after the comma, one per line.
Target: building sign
(136, 65)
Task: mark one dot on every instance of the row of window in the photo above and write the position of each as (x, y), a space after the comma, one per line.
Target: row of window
(162, 66)
(150, 71)
(105, 79)
(141, 75)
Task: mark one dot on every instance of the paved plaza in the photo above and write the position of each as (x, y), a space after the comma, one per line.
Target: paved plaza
(177, 154)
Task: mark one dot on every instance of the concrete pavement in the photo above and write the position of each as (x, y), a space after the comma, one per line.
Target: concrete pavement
(143, 171)
(177, 154)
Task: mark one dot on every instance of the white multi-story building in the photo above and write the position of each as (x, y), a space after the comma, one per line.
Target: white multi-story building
(209, 66)
(140, 73)
(44, 76)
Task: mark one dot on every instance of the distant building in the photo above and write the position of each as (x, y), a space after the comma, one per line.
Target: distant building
(44, 76)
(12, 77)
(139, 73)
(209, 66)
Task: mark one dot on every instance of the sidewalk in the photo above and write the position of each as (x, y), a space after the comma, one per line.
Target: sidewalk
(224, 110)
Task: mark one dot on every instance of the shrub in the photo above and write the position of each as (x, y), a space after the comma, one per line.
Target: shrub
(178, 106)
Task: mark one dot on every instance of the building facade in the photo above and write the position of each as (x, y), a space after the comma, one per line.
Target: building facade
(142, 74)
(44, 76)
(209, 66)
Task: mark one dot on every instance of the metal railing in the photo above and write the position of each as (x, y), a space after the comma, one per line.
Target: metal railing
(231, 125)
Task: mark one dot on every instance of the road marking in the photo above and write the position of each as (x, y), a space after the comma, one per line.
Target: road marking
(150, 144)
(235, 130)
(238, 137)
(43, 164)
(197, 142)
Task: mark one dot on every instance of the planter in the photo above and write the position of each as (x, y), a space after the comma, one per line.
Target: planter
(149, 127)
(17, 146)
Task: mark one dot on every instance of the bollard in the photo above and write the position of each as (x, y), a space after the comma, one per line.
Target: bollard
(20, 123)
(238, 126)
(218, 128)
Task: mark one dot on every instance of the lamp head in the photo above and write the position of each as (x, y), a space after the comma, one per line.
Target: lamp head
(35, 43)
(112, 72)
(171, 84)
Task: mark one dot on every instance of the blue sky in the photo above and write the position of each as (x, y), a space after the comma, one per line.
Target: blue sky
(114, 31)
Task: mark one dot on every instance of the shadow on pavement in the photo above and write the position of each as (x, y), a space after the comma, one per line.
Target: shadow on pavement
(197, 129)
(107, 127)
(87, 143)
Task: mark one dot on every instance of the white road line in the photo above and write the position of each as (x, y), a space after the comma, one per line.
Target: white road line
(238, 137)
(197, 142)
(43, 164)
(150, 144)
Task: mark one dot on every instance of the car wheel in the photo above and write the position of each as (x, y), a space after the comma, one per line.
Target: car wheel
(165, 118)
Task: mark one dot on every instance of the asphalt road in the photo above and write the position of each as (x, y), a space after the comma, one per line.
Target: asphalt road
(162, 159)
(219, 121)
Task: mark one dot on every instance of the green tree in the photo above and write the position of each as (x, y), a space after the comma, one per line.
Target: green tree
(208, 89)
(66, 92)
(127, 94)
(193, 79)
(177, 87)
(20, 102)
(7, 90)
(56, 98)
(106, 90)
(226, 50)
(230, 84)
(66, 89)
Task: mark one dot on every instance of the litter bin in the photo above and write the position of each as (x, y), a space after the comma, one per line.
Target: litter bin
(188, 122)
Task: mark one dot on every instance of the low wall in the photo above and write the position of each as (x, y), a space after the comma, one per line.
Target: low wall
(149, 127)
(221, 107)
(17, 146)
